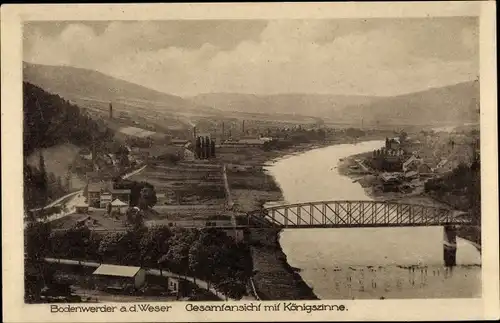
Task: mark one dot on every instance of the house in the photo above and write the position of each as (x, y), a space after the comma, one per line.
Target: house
(121, 194)
(412, 163)
(82, 208)
(411, 175)
(94, 193)
(119, 277)
(392, 144)
(244, 143)
(179, 142)
(176, 285)
(119, 206)
(105, 198)
(188, 155)
(424, 169)
(390, 181)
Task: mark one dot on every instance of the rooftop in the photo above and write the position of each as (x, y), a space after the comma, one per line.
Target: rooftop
(117, 202)
(115, 270)
(120, 191)
(136, 132)
(96, 187)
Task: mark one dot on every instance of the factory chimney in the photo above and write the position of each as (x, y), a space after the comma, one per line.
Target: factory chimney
(243, 127)
(194, 132)
(110, 111)
(222, 130)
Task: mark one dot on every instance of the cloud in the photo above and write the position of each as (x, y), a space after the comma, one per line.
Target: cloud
(374, 57)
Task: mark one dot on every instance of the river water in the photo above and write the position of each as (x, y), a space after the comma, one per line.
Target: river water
(366, 263)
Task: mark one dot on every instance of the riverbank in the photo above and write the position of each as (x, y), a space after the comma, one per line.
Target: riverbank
(273, 277)
(370, 184)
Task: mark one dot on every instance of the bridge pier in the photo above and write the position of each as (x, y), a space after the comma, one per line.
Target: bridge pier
(450, 246)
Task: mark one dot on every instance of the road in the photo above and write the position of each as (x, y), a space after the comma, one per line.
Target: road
(152, 271)
(230, 202)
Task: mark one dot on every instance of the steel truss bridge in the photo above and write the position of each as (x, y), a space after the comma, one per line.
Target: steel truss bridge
(352, 214)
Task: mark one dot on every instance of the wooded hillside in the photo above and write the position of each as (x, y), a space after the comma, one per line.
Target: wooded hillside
(50, 120)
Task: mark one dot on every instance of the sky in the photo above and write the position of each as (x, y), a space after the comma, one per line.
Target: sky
(378, 56)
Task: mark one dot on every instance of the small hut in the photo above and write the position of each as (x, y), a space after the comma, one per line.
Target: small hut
(118, 205)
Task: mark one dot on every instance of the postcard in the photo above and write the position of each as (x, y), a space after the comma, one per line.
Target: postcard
(249, 162)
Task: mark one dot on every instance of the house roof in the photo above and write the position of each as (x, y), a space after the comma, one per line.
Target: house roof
(389, 176)
(245, 142)
(411, 173)
(115, 270)
(96, 187)
(117, 202)
(179, 141)
(120, 191)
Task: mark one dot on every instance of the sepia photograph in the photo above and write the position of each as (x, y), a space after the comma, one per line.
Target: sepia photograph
(273, 159)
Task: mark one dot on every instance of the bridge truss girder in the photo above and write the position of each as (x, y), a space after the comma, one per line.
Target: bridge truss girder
(338, 214)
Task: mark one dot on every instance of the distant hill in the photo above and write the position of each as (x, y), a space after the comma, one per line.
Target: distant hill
(82, 84)
(315, 105)
(453, 104)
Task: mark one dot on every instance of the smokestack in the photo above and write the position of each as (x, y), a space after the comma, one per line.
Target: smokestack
(222, 130)
(194, 132)
(243, 127)
(110, 111)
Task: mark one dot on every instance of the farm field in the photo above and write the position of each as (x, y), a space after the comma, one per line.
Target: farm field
(185, 184)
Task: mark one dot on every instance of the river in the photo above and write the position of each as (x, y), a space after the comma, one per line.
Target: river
(366, 263)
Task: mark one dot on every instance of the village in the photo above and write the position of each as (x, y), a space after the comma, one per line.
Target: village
(146, 180)
(403, 166)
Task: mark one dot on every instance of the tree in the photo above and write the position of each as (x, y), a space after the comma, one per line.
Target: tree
(43, 180)
(147, 197)
(202, 259)
(108, 247)
(403, 136)
(212, 151)
(36, 248)
(135, 218)
(154, 244)
(206, 147)
(231, 287)
(198, 148)
(178, 253)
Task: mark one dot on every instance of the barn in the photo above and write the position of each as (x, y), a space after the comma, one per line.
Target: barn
(119, 277)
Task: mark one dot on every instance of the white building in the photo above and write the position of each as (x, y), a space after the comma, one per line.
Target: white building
(114, 276)
(118, 205)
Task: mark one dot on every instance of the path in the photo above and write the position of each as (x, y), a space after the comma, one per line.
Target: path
(155, 272)
(230, 202)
